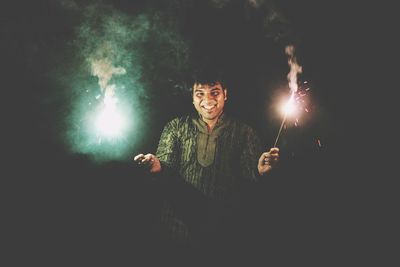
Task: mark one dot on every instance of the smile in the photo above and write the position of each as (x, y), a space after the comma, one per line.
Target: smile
(209, 108)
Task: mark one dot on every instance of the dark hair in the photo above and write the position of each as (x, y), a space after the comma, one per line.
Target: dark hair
(208, 76)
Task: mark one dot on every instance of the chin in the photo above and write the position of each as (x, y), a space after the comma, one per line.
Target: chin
(210, 117)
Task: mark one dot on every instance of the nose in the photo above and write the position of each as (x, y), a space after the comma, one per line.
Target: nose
(208, 97)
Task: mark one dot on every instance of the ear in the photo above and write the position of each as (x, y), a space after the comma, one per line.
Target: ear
(226, 94)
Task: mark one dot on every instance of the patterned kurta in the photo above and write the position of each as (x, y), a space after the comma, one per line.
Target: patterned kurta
(214, 165)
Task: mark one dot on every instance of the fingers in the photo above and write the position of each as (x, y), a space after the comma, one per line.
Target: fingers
(274, 150)
(138, 157)
(271, 157)
(148, 162)
(148, 158)
(265, 158)
(144, 159)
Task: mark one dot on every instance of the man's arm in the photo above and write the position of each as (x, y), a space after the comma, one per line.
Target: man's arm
(250, 155)
(167, 150)
(256, 163)
(165, 158)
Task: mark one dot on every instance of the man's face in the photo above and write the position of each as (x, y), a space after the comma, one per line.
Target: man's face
(209, 100)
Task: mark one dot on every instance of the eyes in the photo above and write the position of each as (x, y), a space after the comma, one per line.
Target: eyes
(212, 93)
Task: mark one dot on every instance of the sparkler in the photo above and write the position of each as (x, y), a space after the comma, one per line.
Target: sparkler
(290, 107)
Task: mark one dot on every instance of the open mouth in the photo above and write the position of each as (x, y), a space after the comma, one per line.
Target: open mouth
(209, 108)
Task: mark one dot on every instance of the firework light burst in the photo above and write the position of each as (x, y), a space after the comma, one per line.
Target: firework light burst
(296, 103)
(110, 122)
(113, 80)
(104, 117)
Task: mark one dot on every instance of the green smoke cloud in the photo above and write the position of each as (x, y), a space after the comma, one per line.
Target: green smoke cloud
(127, 57)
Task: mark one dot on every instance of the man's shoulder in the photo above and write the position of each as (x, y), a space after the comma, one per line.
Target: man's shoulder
(179, 120)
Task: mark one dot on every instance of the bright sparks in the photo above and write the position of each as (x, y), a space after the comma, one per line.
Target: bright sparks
(110, 123)
(293, 107)
(289, 108)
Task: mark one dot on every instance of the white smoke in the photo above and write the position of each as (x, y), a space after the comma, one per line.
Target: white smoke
(295, 68)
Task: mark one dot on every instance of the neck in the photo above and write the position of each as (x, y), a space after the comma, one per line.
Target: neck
(211, 123)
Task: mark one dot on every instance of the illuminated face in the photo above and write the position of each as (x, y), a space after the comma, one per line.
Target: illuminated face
(209, 100)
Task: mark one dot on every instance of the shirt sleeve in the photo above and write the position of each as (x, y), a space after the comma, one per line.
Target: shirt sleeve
(167, 151)
(250, 155)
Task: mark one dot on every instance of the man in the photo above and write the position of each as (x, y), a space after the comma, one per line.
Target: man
(209, 157)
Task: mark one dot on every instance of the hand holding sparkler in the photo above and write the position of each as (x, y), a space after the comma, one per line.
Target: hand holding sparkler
(268, 160)
(150, 161)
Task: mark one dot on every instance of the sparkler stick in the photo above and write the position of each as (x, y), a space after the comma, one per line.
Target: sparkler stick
(280, 129)
(289, 108)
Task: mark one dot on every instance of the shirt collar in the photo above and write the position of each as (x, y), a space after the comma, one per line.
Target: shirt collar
(202, 125)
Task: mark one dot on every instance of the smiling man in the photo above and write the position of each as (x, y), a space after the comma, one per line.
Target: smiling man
(209, 101)
(209, 157)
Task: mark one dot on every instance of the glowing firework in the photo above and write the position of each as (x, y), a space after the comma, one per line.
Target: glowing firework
(290, 106)
(110, 122)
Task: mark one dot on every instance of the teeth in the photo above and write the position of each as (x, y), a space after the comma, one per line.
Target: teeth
(208, 107)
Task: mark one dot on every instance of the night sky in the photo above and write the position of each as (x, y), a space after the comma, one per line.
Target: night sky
(77, 193)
